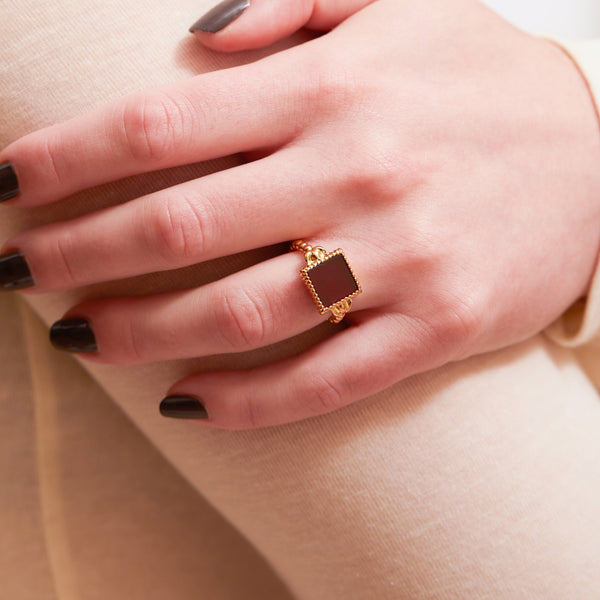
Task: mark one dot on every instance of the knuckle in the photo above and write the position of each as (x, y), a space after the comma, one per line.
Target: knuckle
(45, 156)
(241, 413)
(376, 178)
(459, 322)
(375, 168)
(177, 229)
(384, 171)
(250, 414)
(324, 396)
(379, 164)
(332, 83)
(154, 124)
(135, 344)
(465, 321)
(63, 264)
(125, 339)
(243, 321)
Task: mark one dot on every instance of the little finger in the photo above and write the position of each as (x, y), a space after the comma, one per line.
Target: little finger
(353, 364)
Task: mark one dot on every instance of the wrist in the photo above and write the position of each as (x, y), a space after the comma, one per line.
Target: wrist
(581, 321)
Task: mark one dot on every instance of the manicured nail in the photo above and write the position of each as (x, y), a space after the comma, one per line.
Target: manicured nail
(182, 407)
(9, 186)
(220, 16)
(14, 272)
(73, 335)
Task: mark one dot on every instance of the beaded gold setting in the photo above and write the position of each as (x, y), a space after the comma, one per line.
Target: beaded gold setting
(329, 278)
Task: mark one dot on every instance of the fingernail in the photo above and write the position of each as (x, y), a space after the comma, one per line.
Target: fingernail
(9, 186)
(14, 272)
(220, 16)
(182, 407)
(73, 335)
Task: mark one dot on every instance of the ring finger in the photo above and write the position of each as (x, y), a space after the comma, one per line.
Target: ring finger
(258, 306)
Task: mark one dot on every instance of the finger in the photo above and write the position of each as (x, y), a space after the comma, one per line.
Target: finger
(373, 353)
(243, 24)
(258, 306)
(250, 206)
(215, 114)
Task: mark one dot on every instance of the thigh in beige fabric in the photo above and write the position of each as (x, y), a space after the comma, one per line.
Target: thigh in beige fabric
(478, 480)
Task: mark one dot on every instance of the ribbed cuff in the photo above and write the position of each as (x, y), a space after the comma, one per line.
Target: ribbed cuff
(581, 322)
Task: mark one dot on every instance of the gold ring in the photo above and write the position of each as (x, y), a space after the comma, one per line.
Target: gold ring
(329, 278)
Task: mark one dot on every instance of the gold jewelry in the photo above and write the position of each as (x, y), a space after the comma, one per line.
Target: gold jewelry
(330, 279)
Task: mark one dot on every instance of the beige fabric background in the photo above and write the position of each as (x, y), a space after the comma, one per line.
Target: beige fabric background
(477, 480)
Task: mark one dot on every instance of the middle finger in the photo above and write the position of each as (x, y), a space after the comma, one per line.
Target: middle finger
(249, 206)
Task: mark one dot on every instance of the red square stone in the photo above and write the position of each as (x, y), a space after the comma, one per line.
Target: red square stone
(332, 280)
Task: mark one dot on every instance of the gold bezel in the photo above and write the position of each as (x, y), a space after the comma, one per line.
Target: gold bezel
(318, 302)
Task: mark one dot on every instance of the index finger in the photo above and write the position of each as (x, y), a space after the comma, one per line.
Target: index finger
(205, 117)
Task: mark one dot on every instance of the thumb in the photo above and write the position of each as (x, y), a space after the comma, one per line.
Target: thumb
(244, 24)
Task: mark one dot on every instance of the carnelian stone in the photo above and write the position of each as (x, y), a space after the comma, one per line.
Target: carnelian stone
(333, 280)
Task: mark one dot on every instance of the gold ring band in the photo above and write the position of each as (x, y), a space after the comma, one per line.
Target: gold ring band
(329, 278)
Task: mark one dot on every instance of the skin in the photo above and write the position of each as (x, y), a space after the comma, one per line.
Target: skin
(453, 157)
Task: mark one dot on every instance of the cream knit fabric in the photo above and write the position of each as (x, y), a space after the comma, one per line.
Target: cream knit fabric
(477, 480)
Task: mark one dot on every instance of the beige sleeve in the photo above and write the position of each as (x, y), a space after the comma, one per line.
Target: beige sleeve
(581, 323)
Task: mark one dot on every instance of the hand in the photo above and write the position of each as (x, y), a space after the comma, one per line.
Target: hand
(452, 157)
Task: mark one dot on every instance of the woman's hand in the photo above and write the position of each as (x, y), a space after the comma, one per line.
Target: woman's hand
(452, 157)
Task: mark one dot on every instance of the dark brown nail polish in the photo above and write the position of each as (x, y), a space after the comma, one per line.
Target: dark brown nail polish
(73, 335)
(182, 407)
(220, 16)
(9, 186)
(14, 272)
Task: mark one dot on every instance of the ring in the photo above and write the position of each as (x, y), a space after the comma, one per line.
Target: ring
(329, 278)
